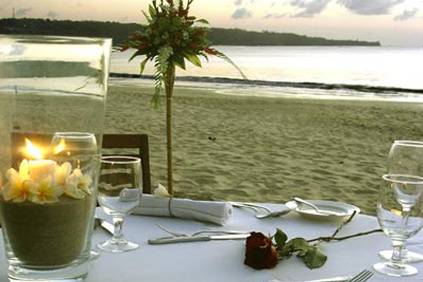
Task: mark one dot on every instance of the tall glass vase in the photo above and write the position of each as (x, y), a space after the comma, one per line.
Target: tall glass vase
(52, 92)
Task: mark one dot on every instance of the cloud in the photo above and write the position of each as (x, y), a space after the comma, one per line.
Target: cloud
(309, 7)
(370, 7)
(274, 16)
(238, 2)
(22, 12)
(241, 13)
(52, 15)
(406, 15)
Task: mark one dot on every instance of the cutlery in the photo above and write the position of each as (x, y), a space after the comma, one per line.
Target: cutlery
(200, 232)
(332, 279)
(363, 276)
(171, 232)
(314, 207)
(273, 214)
(107, 226)
(259, 213)
(171, 240)
(255, 207)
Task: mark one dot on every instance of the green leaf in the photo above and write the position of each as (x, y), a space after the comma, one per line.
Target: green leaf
(158, 82)
(296, 245)
(147, 17)
(280, 238)
(193, 59)
(137, 53)
(204, 55)
(155, 102)
(142, 65)
(152, 11)
(163, 59)
(179, 62)
(204, 21)
(299, 244)
(314, 258)
(227, 59)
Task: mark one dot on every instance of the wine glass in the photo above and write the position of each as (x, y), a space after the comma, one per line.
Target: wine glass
(118, 194)
(405, 157)
(399, 212)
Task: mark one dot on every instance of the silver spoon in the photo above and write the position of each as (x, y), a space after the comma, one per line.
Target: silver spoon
(314, 207)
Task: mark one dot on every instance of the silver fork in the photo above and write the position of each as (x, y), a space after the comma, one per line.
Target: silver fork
(258, 209)
(362, 276)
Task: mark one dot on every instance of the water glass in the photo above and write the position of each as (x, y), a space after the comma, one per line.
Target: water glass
(405, 157)
(119, 192)
(399, 212)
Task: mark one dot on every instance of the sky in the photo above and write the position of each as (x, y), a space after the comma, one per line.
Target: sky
(392, 22)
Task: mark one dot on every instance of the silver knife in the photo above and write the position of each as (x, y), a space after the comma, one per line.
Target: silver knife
(186, 239)
(107, 226)
(332, 279)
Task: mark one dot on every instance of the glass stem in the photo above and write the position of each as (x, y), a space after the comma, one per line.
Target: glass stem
(398, 247)
(404, 253)
(118, 226)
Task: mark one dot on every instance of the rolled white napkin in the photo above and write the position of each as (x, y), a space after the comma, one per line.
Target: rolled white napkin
(208, 211)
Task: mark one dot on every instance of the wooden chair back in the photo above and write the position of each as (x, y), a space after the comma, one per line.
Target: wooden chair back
(110, 141)
(133, 141)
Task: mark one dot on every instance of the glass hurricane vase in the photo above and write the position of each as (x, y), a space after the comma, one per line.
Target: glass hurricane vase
(51, 132)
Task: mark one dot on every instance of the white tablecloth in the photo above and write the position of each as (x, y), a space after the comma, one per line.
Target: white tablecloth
(217, 261)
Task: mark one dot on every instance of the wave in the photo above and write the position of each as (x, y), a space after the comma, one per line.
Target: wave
(307, 85)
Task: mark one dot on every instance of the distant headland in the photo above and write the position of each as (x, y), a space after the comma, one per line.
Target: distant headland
(120, 31)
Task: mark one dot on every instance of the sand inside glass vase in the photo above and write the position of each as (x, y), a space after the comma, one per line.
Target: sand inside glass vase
(49, 235)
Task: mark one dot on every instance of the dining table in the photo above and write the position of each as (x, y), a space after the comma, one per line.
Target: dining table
(223, 260)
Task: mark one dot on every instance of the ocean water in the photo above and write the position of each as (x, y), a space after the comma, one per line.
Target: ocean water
(373, 66)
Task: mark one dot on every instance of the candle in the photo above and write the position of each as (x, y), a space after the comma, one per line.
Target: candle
(38, 168)
(41, 169)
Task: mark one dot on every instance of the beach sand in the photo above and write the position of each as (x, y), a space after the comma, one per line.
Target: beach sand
(267, 149)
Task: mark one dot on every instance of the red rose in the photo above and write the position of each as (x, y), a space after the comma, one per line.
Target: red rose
(260, 252)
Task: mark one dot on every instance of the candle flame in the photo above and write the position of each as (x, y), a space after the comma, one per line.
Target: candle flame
(60, 147)
(33, 151)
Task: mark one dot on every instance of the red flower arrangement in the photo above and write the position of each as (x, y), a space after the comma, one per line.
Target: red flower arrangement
(171, 37)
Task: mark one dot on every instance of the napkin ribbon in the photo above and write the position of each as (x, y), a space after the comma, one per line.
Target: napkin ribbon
(169, 206)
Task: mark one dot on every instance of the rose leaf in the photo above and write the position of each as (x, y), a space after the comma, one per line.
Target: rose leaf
(299, 244)
(280, 238)
(314, 258)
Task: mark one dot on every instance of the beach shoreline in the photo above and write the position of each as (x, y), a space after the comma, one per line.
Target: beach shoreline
(272, 83)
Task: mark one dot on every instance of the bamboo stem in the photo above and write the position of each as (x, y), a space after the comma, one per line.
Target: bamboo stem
(169, 84)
